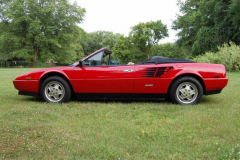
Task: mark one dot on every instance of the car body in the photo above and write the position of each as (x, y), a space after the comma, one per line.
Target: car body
(184, 82)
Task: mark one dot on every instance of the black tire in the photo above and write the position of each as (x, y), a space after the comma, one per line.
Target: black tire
(55, 89)
(186, 91)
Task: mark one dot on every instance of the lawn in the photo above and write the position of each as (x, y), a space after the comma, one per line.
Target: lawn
(32, 129)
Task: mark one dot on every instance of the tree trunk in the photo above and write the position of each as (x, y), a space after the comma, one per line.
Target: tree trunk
(148, 52)
(34, 58)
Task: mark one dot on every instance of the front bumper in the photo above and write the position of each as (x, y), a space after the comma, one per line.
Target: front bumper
(27, 85)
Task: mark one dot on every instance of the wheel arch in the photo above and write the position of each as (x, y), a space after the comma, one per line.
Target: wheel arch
(188, 75)
(50, 74)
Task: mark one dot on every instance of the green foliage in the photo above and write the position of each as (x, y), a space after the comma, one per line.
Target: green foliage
(234, 20)
(72, 50)
(126, 52)
(228, 55)
(170, 50)
(33, 29)
(141, 40)
(146, 35)
(97, 40)
(206, 24)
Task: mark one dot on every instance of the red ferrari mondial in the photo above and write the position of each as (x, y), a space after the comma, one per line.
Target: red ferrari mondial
(184, 81)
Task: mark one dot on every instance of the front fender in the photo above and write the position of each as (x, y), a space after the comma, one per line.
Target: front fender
(67, 75)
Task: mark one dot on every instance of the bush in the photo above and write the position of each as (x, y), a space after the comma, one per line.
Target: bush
(228, 55)
(170, 50)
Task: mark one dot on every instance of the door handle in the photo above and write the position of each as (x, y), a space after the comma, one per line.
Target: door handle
(128, 70)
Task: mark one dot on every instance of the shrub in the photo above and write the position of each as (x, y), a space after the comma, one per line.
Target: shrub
(228, 55)
(170, 50)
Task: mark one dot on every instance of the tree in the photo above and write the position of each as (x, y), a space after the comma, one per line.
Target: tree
(99, 39)
(170, 50)
(72, 50)
(40, 29)
(233, 16)
(145, 35)
(125, 51)
(206, 24)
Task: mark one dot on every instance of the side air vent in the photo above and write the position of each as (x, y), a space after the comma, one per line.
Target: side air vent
(151, 72)
(168, 69)
(160, 71)
(157, 71)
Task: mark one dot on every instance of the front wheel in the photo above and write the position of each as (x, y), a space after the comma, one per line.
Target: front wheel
(55, 89)
(186, 91)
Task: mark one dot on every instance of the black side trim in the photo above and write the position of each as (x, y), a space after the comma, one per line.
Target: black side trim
(213, 92)
(120, 96)
(27, 93)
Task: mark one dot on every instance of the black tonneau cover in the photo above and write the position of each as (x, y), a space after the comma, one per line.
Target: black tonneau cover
(161, 59)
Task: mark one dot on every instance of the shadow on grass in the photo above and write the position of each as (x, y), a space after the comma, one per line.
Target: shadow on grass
(30, 99)
(74, 99)
(206, 100)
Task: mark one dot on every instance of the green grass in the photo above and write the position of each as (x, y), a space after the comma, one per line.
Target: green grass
(30, 128)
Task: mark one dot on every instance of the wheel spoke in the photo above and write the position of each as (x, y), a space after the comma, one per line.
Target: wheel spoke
(189, 97)
(182, 96)
(59, 92)
(50, 88)
(192, 92)
(56, 96)
(50, 93)
(182, 90)
(57, 86)
(188, 87)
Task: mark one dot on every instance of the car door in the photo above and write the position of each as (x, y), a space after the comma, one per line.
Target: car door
(94, 78)
(152, 78)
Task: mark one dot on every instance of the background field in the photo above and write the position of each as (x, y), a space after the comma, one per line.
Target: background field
(30, 128)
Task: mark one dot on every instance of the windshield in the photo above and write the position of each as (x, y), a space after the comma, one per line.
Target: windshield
(98, 58)
(94, 60)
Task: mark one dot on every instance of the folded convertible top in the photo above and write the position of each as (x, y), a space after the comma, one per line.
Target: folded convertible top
(161, 59)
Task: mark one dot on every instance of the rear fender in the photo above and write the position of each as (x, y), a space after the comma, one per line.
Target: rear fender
(183, 72)
(189, 73)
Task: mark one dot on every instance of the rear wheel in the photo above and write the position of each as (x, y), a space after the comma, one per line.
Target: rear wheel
(186, 91)
(55, 89)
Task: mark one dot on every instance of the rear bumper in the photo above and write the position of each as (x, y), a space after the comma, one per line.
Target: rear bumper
(27, 85)
(215, 84)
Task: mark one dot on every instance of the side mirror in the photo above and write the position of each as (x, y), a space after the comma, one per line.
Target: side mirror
(80, 63)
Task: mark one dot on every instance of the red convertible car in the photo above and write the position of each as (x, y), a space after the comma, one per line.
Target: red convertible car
(183, 81)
